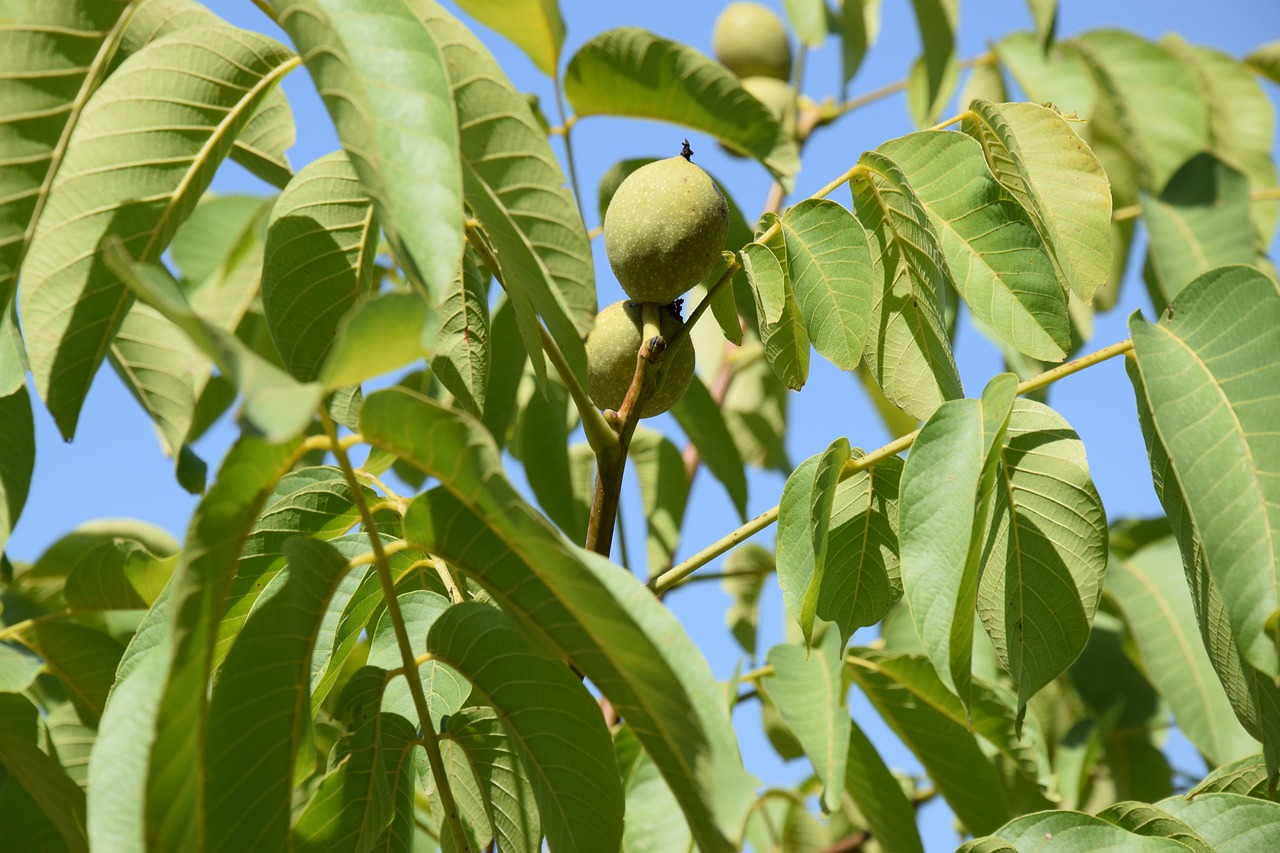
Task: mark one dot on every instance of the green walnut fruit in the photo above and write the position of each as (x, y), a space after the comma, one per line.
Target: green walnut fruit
(611, 359)
(778, 96)
(664, 229)
(751, 41)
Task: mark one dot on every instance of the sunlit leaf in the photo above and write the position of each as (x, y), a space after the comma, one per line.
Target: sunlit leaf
(504, 782)
(261, 706)
(1044, 165)
(554, 724)
(534, 25)
(41, 777)
(786, 343)
(1070, 832)
(829, 265)
(809, 19)
(462, 346)
(1153, 822)
(444, 687)
(909, 353)
(1044, 14)
(321, 244)
(1043, 551)
(1152, 593)
(1059, 76)
(52, 57)
(544, 430)
(993, 251)
(755, 410)
(937, 21)
(1200, 221)
(925, 105)
(1266, 60)
(947, 496)
(1166, 120)
(631, 72)
(859, 29)
(878, 795)
(746, 569)
(664, 490)
(1229, 823)
(1245, 776)
(808, 687)
(379, 334)
(650, 804)
(226, 72)
(17, 458)
(1242, 122)
(1207, 396)
(605, 621)
(366, 57)
(703, 422)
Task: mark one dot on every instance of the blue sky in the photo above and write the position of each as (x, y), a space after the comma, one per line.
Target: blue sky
(114, 468)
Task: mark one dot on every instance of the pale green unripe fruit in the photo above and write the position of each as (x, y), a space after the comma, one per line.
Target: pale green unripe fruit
(751, 41)
(664, 229)
(611, 359)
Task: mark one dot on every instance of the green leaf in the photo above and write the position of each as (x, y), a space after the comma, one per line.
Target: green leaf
(514, 186)
(605, 621)
(1058, 181)
(174, 789)
(261, 706)
(379, 334)
(1058, 76)
(829, 266)
(353, 805)
(211, 234)
(1044, 14)
(938, 21)
(321, 245)
(628, 71)
(17, 458)
(52, 58)
(1156, 99)
(664, 492)
(926, 110)
(18, 668)
(909, 354)
(984, 83)
(746, 569)
(947, 495)
(369, 59)
(1245, 776)
(878, 795)
(534, 25)
(1266, 60)
(1254, 698)
(41, 777)
(809, 19)
(808, 687)
(755, 410)
(462, 347)
(70, 742)
(445, 688)
(1241, 122)
(786, 343)
(859, 29)
(1229, 823)
(83, 658)
(227, 74)
(1153, 822)
(121, 574)
(862, 579)
(1070, 832)
(1044, 549)
(1199, 222)
(993, 252)
(307, 502)
(724, 304)
(931, 721)
(703, 422)
(826, 479)
(650, 803)
(554, 724)
(274, 402)
(1206, 393)
(1153, 596)
(467, 798)
(502, 777)
(544, 438)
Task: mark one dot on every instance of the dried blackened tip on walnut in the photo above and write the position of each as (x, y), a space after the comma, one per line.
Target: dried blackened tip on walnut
(612, 348)
(686, 152)
(752, 41)
(664, 229)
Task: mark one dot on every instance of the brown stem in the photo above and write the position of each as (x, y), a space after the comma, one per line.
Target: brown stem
(850, 843)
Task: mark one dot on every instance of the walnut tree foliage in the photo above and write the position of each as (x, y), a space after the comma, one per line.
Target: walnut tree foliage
(324, 663)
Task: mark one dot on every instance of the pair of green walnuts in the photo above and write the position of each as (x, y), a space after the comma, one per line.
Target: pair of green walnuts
(667, 224)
